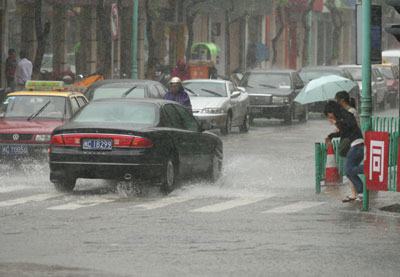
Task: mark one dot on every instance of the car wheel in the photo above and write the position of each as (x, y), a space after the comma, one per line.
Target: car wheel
(244, 128)
(169, 178)
(304, 116)
(65, 185)
(226, 130)
(214, 171)
(288, 119)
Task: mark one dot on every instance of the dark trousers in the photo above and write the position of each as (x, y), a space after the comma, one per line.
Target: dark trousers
(354, 167)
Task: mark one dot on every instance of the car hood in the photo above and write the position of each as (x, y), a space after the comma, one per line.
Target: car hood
(199, 103)
(272, 91)
(23, 126)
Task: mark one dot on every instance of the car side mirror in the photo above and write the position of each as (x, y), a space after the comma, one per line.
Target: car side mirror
(299, 86)
(205, 126)
(242, 89)
(235, 94)
(379, 79)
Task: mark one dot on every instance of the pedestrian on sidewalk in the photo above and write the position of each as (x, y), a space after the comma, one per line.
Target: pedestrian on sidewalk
(348, 129)
(23, 71)
(349, 104)
(11, 65)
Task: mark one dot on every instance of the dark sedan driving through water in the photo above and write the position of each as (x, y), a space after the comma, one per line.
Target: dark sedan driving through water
(133, 139)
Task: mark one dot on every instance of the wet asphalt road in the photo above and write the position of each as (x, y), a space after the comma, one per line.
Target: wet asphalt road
(262, 218)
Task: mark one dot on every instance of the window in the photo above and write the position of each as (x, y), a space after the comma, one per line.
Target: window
(188, 121)
(74, 104)
(154, 92)
(173, 118)
(297, 80)
(161, 90)
(82, 101)
(231, 87)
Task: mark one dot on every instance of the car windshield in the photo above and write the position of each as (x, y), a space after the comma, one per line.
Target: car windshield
(266, 80)
(135, 113)
(307, 76)
(24, 106)
(109, 91)
(207, 89)
(386, 72)
(356, 72)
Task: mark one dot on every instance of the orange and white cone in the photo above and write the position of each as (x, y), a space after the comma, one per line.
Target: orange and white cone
(331, 170)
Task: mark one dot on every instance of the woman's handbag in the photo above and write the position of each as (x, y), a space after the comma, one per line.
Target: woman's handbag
(344, 147)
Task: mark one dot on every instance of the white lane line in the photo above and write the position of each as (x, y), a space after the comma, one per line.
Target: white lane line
(11, 189)
(36, 197)
(84, 203)
(242, 201)
(164, 202)
(293, 208)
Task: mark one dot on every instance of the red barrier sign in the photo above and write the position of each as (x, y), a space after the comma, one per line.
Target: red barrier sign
(377, 160)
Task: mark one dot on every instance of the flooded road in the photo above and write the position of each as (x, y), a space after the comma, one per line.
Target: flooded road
(261, 218)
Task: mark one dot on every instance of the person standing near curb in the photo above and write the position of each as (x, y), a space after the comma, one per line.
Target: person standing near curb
(348, 129)
(23, 72)
(11, 64)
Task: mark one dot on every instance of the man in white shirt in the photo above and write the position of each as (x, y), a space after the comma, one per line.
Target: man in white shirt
(23, 72)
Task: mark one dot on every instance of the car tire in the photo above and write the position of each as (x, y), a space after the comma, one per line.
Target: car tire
(244, 128)
(169, 175)
(226, 130)
(64, 185)
(215, 169)
(304, 116)
(288, 119)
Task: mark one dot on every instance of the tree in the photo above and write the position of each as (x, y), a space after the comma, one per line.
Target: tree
(192, 9)
(104, 38)
(274, 41)
(307, 29)
(337, 22)
(152, 17)
(42, 34)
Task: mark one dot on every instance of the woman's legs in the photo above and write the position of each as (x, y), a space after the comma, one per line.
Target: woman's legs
(353, 167)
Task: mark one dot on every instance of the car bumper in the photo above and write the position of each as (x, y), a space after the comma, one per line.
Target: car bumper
(20, 151)
(269, 111)
(216, 120)
(141, 164)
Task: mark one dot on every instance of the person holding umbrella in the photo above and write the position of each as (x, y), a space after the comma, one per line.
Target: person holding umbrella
(349, 131)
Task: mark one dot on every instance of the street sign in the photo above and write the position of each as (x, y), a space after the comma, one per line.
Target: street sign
(376, 34)
(114, 21)
(377, 160)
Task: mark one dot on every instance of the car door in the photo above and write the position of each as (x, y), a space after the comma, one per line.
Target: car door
(184, 139)
(201, 148)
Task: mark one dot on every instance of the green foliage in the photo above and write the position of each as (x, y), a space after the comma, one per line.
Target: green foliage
(154, 6)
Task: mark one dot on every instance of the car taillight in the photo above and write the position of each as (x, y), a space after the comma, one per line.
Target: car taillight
(72, 140)
(141, 142)
(57, 140)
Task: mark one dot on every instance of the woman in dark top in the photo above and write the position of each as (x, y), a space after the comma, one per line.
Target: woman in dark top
(348, 128)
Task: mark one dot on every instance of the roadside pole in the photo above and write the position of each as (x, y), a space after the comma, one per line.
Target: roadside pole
(134, 73)
(366, 79)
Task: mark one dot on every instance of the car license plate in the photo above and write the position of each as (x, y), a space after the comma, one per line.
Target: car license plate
(97, 144)
(14, 150)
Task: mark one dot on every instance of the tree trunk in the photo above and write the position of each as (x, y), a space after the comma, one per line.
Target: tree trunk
(41, 36)
(337, 27)
(104, 40)
(307, 30)
(189, 26)
(151, 62)
(278, 34)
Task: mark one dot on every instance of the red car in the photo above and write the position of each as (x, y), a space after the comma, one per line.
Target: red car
(27, 119)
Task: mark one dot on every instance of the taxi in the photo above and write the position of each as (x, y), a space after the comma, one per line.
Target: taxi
(27, 118)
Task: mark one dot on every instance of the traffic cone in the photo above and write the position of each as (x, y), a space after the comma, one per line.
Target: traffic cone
(331, 170)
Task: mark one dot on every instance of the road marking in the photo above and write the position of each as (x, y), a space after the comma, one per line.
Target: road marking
(293, 208)
(36, 198)
(164, 202)
(84, 203)
(11, 189)
(242, 201)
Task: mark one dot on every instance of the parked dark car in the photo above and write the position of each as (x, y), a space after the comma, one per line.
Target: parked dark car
(390, 73)
(309, 73)
(133, 139)
(128, 88)
(272, 93)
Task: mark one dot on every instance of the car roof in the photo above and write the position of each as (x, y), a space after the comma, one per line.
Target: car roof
(351, 65)
(44, 93)
(124, 81)
(205, 81)
(316, 67)
(262, 70)
(140, 100)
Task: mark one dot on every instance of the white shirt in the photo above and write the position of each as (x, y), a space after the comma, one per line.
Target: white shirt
(23, 72)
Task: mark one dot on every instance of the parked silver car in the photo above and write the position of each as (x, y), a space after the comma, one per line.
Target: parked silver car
(378, 85)
(220, 103)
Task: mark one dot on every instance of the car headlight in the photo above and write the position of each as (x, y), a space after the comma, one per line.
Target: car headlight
(42, 137)
(212, 110)
(280, 100)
